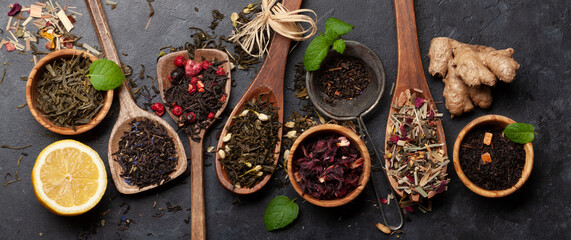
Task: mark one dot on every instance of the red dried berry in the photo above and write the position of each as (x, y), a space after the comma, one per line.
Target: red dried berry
(192, 68)
(159, 108)
(191, 89)
(194, 80)
(200, 84)
(179, 61)
(210, 115)
(220, 71)
(223, 98)
(170, 79)
(177, 110)
(190, 117)
(206, 64)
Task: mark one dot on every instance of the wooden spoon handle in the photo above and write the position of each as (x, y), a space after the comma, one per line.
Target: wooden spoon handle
(198, 223)
(104, 35)
(409, 71)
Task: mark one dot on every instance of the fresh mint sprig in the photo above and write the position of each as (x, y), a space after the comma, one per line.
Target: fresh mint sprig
(319, 47)
(280, 212)
(105, 75)
(520, 132)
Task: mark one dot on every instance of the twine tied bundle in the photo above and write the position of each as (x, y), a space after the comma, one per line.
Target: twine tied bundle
(276, 17)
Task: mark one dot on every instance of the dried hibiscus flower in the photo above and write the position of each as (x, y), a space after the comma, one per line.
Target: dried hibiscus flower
(329, 168)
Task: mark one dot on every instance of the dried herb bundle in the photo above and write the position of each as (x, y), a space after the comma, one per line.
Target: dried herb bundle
(250, 145)
(198, 107)
(344, 78)
(417, 160)
(147, 154)
(65, 95)
(507, 159)
(329, 168)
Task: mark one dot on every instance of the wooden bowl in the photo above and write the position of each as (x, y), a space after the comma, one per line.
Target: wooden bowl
(494, 120)
(295, 152)
(32, 94)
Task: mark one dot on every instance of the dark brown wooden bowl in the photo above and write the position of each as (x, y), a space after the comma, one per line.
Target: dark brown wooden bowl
(295, 152)
(32, 94)
(494, 120)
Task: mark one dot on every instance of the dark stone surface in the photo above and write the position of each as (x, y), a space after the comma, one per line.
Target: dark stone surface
(540, 210)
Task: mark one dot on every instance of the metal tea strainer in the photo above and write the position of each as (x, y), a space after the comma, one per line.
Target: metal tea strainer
(356, 108)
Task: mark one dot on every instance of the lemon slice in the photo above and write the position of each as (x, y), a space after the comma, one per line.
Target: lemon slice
(69, 178)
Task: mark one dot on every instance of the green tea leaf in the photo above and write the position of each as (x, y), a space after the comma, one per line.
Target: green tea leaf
(280, 212)
(520, 132)
(334, 25)
(315, 53)
(105, 75)
(339, 46)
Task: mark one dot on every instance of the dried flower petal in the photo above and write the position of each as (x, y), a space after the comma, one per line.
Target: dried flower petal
(14, 9)
(418, 102)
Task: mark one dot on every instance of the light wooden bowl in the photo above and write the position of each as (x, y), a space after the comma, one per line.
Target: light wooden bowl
(32, 94)
(295, 152)
(494, 120)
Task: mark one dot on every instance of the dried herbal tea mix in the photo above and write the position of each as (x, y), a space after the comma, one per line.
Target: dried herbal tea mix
(196, 93)
(250, 144)
(147, 154)
(329, 168)
(414, 153)
(65, 95)
(344, 77)
(490, 160)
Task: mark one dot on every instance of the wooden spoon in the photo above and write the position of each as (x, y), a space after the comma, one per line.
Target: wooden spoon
(270, 79)
(164, 67)
(410, 74)
(128, 110)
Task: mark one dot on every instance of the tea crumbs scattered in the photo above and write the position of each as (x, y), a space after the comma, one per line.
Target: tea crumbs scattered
(502, 170)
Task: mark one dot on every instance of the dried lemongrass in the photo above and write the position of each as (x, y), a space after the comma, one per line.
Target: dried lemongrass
(274, 16)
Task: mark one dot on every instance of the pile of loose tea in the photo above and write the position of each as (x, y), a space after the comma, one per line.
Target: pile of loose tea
(147, 154)
(492, 164)
(196, 94)
(329, 168)
(65, 95)
(344, 77)
(250, 144)
(417, 160)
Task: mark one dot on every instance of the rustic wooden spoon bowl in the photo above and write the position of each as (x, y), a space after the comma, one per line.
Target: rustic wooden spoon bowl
(32, 94)
(410, 74)
(502, 122)
(269, 80)
(128, 110)
(165, 66)
(296, 152)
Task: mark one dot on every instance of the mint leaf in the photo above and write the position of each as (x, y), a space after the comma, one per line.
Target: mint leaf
(339, 46)
(315, 53)
(105, 75)
(337, 26)
(280, 212)
(319, 47)
(520, 132)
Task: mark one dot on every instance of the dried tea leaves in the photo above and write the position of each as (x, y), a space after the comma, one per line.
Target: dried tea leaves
(416, 160)
(505, 164)
(249, 152)
(65, 94)
(344, 77)
(198, 106)
(146, 153)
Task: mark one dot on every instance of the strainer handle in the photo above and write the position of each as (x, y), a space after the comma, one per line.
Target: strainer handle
(379, 160)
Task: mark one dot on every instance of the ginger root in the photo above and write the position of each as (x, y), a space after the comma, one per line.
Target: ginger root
(469, 71)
